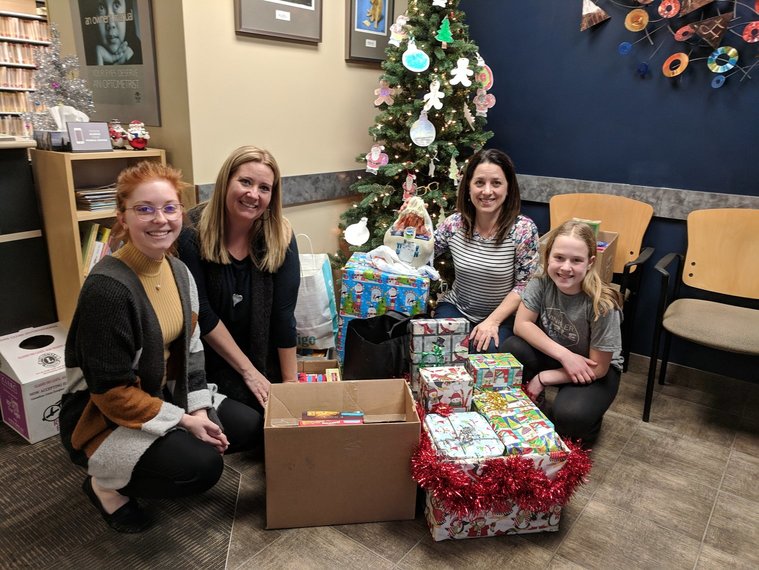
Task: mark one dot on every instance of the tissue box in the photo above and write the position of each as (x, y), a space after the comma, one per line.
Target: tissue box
(450, 385)
(367, 292)
(494, 370)
(462, 436)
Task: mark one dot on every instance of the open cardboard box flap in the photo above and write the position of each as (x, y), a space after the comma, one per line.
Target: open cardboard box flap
(340, 474)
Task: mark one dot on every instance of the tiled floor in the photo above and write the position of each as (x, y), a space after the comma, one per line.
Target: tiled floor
(678, 492)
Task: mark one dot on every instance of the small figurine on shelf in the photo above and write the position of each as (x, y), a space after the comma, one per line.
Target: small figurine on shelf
(138, 135)
(118, 134)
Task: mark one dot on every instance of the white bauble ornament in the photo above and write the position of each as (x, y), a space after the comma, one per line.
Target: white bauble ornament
(415, 59)
(358, 233)
(423, 131)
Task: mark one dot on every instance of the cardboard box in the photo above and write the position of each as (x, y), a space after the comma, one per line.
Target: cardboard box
(366, 291)
(444, 525)
(604, 259)
(315, 364)
(32, 379)
(340, 474)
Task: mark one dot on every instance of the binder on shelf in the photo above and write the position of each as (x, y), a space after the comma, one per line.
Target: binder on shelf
(89, 236)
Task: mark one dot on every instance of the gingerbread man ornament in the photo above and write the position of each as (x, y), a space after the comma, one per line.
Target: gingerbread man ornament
(384, 94)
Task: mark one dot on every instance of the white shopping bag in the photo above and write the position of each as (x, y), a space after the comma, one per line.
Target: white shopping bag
(316, 310)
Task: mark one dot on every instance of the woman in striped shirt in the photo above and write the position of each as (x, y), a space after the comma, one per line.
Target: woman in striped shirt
(494, 250)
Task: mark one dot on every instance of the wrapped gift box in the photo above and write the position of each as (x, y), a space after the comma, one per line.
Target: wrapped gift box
(451, 336)
(342, 330)
(522, 427)
(444, 525)
(367, 291)
(494, 370)
(462, 436)
(437, 342)
(450, 385)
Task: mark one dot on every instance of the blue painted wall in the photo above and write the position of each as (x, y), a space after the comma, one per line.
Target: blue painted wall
(568, 105)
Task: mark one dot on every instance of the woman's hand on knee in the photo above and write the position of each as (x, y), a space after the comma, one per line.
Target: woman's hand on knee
(580, 369)
(258, 385)
(482, 334)
(198, 424)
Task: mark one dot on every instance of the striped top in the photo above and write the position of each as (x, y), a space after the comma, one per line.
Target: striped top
(486, 271)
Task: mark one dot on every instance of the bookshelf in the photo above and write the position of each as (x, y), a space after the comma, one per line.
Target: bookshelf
(21, 32)
(57, 175)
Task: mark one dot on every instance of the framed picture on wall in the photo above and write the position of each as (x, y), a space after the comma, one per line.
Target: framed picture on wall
(368, 31)
(293, 20)
(114, 42)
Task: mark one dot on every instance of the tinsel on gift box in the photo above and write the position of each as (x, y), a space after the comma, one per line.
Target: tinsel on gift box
(495, 484)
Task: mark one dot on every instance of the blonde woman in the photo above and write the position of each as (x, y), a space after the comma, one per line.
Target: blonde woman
(568, 333)
(242, 252)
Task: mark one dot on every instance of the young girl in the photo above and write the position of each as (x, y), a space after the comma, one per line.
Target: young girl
(568, 333)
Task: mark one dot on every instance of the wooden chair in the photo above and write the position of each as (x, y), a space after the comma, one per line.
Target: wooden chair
(723, 249)
(627, 217)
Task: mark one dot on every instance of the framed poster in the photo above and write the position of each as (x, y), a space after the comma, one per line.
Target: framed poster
(294, 20)
(368, 32)
(114, 42)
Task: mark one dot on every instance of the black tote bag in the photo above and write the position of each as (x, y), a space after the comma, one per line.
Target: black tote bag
(377, 347)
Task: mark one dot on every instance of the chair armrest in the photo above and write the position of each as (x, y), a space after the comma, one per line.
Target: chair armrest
(661, 266)
(644, 256)
(632, 281)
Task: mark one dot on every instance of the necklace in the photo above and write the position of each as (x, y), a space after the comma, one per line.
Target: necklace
(156, 279)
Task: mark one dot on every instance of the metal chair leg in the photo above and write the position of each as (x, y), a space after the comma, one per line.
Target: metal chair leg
(651, 375)
(665, 356)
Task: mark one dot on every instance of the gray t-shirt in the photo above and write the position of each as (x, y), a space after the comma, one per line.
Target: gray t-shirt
(568, 320)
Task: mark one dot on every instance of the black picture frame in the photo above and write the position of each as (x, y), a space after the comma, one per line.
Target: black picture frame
(290, 20)
(366, 37)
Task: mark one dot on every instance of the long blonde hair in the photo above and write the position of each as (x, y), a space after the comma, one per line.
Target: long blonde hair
(604, 297)
(272, 225)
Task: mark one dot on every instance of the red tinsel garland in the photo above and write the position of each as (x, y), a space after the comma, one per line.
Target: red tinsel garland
(501, 482)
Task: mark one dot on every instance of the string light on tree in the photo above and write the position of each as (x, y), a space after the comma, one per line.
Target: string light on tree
(430, 143)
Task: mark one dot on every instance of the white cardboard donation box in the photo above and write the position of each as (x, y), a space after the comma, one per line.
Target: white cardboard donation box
(32, 379)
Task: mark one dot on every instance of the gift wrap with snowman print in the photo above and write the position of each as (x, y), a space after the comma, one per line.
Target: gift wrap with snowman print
(367, 292)
(437, 342)
(457, 445)
(411, 235)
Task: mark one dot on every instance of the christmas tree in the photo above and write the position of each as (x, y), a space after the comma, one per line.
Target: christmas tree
(57, 82)
(433, 104)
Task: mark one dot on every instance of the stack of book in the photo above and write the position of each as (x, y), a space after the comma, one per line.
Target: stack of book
(97, 242)
(96, 199)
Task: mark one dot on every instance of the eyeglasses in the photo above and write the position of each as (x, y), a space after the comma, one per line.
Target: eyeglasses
(148, 212)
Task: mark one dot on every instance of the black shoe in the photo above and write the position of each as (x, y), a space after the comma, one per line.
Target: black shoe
(128, 518)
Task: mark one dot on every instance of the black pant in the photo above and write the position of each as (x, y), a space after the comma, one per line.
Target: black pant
(578, 409)
(178, 464)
